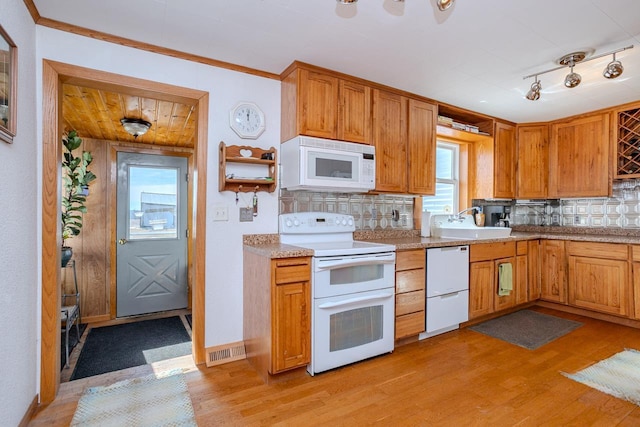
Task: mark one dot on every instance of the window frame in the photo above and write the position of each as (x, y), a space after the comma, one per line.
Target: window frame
(455, 172)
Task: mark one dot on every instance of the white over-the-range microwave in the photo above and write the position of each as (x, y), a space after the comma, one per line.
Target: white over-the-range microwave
(317, 164)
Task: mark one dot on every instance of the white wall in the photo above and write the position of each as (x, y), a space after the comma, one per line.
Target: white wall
(223, 312)
(19, 255)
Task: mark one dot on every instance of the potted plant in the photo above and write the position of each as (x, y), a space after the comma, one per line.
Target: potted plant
(75, 183)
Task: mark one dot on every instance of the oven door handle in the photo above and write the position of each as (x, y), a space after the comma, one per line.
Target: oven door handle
(351, 262)
(355, 300)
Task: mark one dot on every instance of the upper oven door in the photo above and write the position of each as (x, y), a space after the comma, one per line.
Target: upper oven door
(341, 275)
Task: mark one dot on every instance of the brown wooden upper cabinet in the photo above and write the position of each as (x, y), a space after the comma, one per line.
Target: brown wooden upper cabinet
(579, 162)
(533, 161)
(422, 147)
(390, 140)
(504, 163)
(320, 104)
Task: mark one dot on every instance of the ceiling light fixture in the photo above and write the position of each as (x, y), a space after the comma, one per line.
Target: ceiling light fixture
(613, 70)
(135, 127)
(444, 4)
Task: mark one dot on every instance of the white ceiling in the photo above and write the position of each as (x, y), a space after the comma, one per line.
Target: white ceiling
(474, 55)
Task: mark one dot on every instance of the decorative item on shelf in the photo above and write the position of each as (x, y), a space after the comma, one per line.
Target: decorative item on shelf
(135, 127)
(76, 177)
(247, 120)
(243, 155)
(613, 70)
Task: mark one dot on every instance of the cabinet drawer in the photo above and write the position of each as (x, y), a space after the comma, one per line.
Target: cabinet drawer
(408, 260)
(410, 280)
(489, 251)
(409, 324)
(598, 250)
(292, 270)
(521, 248)
(410, 302)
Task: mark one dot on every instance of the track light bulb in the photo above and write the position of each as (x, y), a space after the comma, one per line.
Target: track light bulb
(614, 69)
(573, 79)
(534, 92)
(444, 4)
(347, 1)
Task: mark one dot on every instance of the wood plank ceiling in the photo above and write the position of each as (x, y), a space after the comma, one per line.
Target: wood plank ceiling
(96, 114)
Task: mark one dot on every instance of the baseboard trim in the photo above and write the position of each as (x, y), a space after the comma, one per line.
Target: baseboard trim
(592, 314)
(31, 410)
(225, 353)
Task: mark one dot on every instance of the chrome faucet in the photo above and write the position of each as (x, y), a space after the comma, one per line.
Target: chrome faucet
(457, 218)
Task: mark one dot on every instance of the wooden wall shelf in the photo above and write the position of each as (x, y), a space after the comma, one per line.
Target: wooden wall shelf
(247, 155)
(628, 143)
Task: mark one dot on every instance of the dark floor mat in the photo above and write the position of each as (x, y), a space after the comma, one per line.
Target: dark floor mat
(111, 348)
(527, 328)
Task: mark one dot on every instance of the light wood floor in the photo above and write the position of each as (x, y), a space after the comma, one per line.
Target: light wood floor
(461, 378)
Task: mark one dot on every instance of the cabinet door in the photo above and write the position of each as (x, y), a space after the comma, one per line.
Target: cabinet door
(422, 147)
(521, 283)
(481, 280)
(552, 280)
(390, 140)
(354, 115)
(504, 301)
(579, 163)
(504, 166)
(636, 290)
(599, 284)
(533, 161)
(291, 326)
(533, 260)
(319, 103)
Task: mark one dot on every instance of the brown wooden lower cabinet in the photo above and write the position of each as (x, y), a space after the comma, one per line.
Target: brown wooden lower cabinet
(599, 277)
(277, 312)
(485, 260)
(553, 286)
(635, 269)
(410, 293)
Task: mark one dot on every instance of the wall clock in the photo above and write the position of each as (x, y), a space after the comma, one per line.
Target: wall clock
(247, 120)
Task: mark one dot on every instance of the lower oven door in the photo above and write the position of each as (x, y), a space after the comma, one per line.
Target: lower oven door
(349, 274)
(350, 328)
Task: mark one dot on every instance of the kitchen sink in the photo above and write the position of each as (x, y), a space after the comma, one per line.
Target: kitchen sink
(465, 228)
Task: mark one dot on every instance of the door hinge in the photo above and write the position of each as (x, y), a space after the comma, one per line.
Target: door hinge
(186, 176)
(186, 232)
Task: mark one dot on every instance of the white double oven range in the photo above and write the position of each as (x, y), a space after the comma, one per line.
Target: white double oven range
(353, 289)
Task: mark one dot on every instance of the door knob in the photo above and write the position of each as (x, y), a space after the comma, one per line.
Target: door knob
(122, 241)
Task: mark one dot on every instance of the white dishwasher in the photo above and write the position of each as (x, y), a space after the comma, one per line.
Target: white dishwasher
(447, 283)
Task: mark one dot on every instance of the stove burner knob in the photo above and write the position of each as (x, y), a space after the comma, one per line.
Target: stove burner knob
(288, 223)
(344, 221)
(350, 222)
(296, 222)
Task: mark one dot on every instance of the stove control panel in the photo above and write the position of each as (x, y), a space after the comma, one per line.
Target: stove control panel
(316, 222)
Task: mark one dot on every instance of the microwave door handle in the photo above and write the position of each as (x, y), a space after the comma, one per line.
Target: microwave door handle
(355, 300)
(343, 263)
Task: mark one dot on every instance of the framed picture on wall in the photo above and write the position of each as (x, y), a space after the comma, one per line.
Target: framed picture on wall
(8, 86)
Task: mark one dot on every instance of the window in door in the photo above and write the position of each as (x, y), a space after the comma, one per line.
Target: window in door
(447, 180)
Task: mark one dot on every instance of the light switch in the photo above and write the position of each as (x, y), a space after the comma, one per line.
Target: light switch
(220, 213)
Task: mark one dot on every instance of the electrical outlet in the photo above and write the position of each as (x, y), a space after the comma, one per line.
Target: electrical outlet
(220, 213)
(576, 219)
(374, 213)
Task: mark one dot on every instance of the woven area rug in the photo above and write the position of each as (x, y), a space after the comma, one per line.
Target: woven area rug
(618, 376)
(526, 328)
(147, 401)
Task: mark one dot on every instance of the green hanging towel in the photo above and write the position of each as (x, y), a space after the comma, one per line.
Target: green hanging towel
(505, 279)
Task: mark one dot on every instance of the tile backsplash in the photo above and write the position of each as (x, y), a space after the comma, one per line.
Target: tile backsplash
(622, 210)
(370, 212)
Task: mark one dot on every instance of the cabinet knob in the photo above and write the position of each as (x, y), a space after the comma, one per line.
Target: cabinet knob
(122, 241)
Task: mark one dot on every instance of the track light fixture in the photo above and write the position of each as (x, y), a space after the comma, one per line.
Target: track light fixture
(613, 70)
(534, 92)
